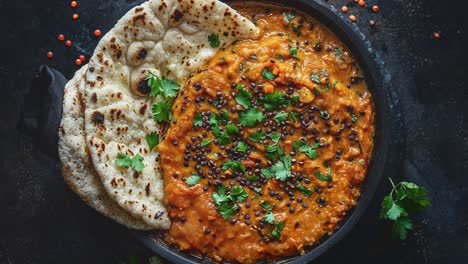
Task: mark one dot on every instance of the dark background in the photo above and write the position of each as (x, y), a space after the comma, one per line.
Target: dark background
(42, 221)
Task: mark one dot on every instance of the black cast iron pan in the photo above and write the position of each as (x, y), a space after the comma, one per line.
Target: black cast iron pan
(42, 120)
(372, 68)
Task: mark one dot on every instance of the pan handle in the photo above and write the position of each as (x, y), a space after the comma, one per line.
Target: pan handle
(42, 109)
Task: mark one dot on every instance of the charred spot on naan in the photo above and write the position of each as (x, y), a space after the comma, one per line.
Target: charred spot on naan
(139, 83)
(97, 118)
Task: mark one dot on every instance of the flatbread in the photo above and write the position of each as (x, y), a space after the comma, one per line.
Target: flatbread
(170, 38)
(77, 169)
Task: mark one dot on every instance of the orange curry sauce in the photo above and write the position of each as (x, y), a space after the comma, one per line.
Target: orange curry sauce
(269, 143)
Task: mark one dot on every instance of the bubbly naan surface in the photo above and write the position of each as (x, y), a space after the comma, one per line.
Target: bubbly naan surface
(170, 39)
(77, 169)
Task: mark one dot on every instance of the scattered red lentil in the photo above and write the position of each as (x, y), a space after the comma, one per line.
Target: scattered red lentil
(436, 35)
(61, 37)
(82, 58)
(371, 23)
(375, 8)
(344, 9)
(97, 33)
(68, 43)
(78, 62)
(362, 2)
(352, 18)
(73, 4)
(75, 16)
(50, 54)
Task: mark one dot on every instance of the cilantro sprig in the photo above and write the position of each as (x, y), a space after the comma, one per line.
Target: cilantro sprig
(214, 40)
(124, 160)
(226, 203)
(403, 198)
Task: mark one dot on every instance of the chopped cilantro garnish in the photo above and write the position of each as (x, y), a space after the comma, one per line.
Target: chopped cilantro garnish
(310, 151)
(231, 130)
(304, 190)
(322, 177)
(293, 115)
(279, 57)
(253, 178)
(265, 205)
(243, 96)
(251, 117)
(267, 74)
(315, 78)
(289, 16)
(281, 116)
(278, 227)
(241, 146)
(214, 40)
(253, 57)
(270, 218)
(294, 98)
(162, 111)
(206, 142)
(275, 137)
(162, 86)
(281, 170)
(273, 101)
(152, 139)
(257, 136)
(225, 203)
(192, 180)
(124, 160)
(198, 120)
(354, 117)
(337, 52)
(234, 165)
(223, 138)
(298, 143)
(293, 52)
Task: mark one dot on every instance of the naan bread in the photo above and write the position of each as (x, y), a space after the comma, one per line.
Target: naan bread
(170, 39)
(77, 169)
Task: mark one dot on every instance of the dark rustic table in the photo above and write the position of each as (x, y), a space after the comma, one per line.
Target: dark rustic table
(43, 222)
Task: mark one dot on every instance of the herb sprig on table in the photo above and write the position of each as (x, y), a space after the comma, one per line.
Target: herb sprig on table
(404, 197)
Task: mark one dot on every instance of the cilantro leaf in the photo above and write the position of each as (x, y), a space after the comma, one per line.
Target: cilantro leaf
(214, 40)
(192, 180)
(234, 165)
(162, 86)
(238, 194)
(223, 138)
(226, 203)
(267, 173)
(281, 169)
(281, 116)
(124, 160)
(315, 78)
(231, 130)
(265, 205)
(354, 117)
(257, 136)
(337, 52)
(152, 139)
(275, 137)
(243, 97)
(278, 227)
(206, 142)
(298, 143)
(241, 146)
(401, 226)
(279, 57)
(251, 117)
(267, 74)
(289, 16)
(293, 52)
(253, 178)
(270, 218)
(162, 111)
(310, 151)
(198, 120)
(304, 190)
(273, 101)
(155, 260)
(322, 177)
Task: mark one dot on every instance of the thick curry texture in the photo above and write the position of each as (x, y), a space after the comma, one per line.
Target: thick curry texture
(328, 107)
